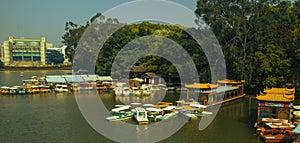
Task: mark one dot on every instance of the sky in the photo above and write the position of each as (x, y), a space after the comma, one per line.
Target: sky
(47, 18)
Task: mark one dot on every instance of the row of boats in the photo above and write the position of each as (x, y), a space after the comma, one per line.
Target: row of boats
(145, 113)
(122, 89)
(42, 88)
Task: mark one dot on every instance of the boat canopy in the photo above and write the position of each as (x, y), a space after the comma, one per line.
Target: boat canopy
(4, 87)
(280, 125)
(169, 108)
(297, 129)
(139, 109)
(198, 105)
(136, 104)
(297, 113)
(126, 107)
(148, 105)
(154, 109)
(297, 107)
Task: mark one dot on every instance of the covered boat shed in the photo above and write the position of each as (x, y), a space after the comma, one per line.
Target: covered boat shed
(55, 80)
(90, 78)
(74, 79)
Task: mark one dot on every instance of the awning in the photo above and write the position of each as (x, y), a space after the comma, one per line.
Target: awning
(55, 80)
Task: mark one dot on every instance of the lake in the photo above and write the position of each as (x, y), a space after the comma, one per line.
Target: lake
(55, 117)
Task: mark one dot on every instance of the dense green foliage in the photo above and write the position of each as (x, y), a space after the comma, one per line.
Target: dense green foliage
(54, 57)
(260, 41)
(154, 64)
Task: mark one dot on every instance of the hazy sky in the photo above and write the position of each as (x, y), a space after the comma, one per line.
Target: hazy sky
(47, 18)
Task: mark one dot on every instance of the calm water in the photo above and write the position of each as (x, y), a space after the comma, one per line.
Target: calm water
(56, 118)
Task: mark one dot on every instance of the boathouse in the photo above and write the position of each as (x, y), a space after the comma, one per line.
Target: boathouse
(275, 103)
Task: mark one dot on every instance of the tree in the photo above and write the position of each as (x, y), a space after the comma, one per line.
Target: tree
(250, 32)
(54, 57)
(74, 33)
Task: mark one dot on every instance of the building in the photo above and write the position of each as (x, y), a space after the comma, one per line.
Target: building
(24, 52)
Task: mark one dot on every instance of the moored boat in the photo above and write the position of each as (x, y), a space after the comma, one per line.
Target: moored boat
(44, 89)
(141, 116)
(213, 94)
(87, 85)
(154, 114)
(61, 88)
(119, 118)
(277, 132)
(121, 113)
(32, 89)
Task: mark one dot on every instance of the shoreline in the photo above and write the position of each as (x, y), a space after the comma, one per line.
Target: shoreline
(35, 68)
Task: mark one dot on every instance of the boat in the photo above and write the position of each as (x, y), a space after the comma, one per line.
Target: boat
(154, 114)
(87, 85)
(119, 118)
(296, 117)
(163, 104)
(106, 85)
(4, 90)
(61, 88)
(144, 90)
(213, 94)
(44, 89)
(13, 90)
(136, 91)
(21, 89)
(118, 91)
(141, 116)
(121, 108)
(188, 114)
(74, 87)
(21, 74)
(32, 89)
(169, 112)
(125, 91)
(148, 105)
(121, 113)
(275, 105)
(277, 132)
(171, 88)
